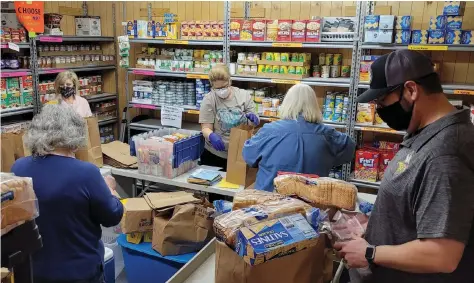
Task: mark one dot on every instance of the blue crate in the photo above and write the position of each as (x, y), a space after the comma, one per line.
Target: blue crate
(188, 150)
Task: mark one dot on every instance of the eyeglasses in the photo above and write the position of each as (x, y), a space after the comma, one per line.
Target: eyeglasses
(222, 88)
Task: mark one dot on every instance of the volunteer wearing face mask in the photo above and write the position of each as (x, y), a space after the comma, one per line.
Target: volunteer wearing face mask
(422, 226)
(223, 108)
(66, 86)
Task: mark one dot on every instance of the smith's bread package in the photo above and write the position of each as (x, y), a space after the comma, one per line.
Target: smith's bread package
(275, 238)
(247, 198)
(19, 203)
(320, 191)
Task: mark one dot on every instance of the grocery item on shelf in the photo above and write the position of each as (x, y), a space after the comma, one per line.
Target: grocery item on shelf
(436, 36)
(379, 28)
(104, 110)
(13, 61)
(403, 22)
(313, 30)
(336, 107)
(267, 101)
(202, 30)
(367, 165)
(88, 26)
(165, 92)
(454, 8)
(203, 87)
(467, 37)
(88, 85)
(338, 29)
(52, 24)
(72, 55)
(438, 22)
(159, 30)
(15, 35)
(259, 30)
(16, 92)
(365, 114)
(284, 30)
(365, 63)
(61, 49)
(419, 36)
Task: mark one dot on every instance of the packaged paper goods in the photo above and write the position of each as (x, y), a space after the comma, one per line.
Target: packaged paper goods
(19, 203)
(321, 191)
(247, 198)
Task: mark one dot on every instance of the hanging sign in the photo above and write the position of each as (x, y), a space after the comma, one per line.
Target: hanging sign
(31, 15)
(171, 116)
(14, 47)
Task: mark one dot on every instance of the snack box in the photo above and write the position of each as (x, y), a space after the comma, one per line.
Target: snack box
(276, 238)
(26, 83)
(371, 35)
(192, 30)
(367, 165)
(438, 22)
(365, 114)
(284, 30)
(160, 30)
(298, 31)
(453, 22)
(387, 22)
(419, 36)
(199, 30)
(436, 36)
(403, 22)
(246, 31)
(378, 121)
(272, 30)
(184, 34)
(454, 8)
(402, 36)
(235, 27)
(385, 157)
(215, 29)
(207, 30)
(221, 29)
(313, 30)
(259, 28)
(453, 37)
(132, 29)
(385, 36)
(466, 37)
(26, 98)
(372, 22)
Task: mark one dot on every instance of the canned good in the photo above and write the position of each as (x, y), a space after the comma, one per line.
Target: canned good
(268, 68)
(261, 68)
(300, 70)
(275, 102)
(303, 57)
(62, 48)
(247, 68)
(283, 70)
(335, 71)
(253, 68)
(338, 59)
(267, 102)
(68, 59)
(259, 96)
(291, 70)
(294, 57)
(285, 57)
(329, 59)
(269, 56)
(56, 48)
(322, 58)
(325, 71)
(276, 56)
(316, 71)
(250, 56)
(275, 69)
(345, 71)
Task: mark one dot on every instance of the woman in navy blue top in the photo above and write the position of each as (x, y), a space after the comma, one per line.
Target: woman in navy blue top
(299, 142)
(73, 197)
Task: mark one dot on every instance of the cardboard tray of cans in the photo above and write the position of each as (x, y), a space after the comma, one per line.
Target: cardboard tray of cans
(282, 76)
(247, 62)
(280, 63)
(67, 53)
(247, 73)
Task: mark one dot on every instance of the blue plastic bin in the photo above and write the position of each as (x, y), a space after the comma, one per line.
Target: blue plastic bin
(109, 266)
(145, 265)
(188, 149)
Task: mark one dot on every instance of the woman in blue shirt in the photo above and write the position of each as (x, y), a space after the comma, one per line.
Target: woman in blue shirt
(299, 142)
(73, 197)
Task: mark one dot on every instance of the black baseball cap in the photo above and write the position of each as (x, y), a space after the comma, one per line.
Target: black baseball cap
(392, 70)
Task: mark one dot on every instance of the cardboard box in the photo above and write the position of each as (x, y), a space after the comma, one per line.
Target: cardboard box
(419, 36)
(453, 37)
(246, 31)
(313, 30)
(385, 36)
(88, 26)
(284, 30)
(466, 37)
(371, 22)
(137, 217)
(438, 22)
(12, 149)
(402, 36)
(272, 30)
(454, 8)
(387, 22)
(92, 152)
(259, 28)
(235, 27)
(9, 20)
(365, 114)
(298, 31)
(117, 154)
(453, 22)
(403, 23)
(366, 165)
(371, 36)
(436, 36)
(132, 29)
(238, 172)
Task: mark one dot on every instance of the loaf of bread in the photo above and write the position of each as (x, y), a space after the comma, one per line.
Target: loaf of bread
(247, 198)
(19, 203)
(320, 191)
(226, 225)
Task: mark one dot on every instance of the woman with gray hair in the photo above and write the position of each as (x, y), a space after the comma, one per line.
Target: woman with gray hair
(299, 142)
(74, 200)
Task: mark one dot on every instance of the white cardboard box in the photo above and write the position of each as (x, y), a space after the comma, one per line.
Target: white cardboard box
(9, 20)
(88, 26)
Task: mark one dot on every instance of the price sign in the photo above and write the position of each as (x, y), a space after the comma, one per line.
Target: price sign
(175, 41)
(31, 15)
(463, 91)
(51, 39)
(144, 106)
(428, 47)
(13, 74)
(14, 47)
(143, 72)
(288, 82)
(193, 112)
(287, 44)
(197, 76)
(171, 116)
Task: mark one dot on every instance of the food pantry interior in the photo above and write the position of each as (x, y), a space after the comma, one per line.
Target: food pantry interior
(181, 104)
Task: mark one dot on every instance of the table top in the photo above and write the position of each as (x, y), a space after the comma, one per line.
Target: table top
(180, 181)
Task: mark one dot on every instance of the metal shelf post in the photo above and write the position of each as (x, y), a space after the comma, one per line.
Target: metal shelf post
(226, 43)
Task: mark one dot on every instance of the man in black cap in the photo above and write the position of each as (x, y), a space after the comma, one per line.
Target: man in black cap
(422, 226)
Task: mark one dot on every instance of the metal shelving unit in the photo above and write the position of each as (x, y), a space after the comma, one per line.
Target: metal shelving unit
(74, 38)
(16, 111)
(186, 108)
(162, 73)
(334, 82)
(378, 129)
(155, 124)
(107, 121)
(339, 45)
(178, 42)
(46, 71)
(100, 97)
(393, 46)
(21, 45)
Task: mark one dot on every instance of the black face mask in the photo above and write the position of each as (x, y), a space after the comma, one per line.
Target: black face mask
(67, 91)
(395, 116)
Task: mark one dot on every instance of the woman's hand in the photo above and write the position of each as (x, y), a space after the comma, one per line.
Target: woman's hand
(253, 118)
(216, 142)
(111, 183)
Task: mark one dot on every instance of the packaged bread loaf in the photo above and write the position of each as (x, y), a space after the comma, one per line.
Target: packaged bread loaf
(19, 203)
(321, 191)
(247, 198)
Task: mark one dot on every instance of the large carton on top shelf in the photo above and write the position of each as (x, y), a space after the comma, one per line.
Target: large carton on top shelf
(88, 26)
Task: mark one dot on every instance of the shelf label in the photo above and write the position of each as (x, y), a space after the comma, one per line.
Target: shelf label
(370, 129)
(193, 112)
(464, 91)
(143, 72)
(287, 44)
(428, 47)
(175, 41)
(289, 82)
(51, 39)
(53, 71)
(171, 116)
(197, 76)
(3, 46)
(14, 74)
(14, 47)
(144, 106)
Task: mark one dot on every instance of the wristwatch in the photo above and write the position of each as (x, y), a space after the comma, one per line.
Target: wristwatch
(370, 254)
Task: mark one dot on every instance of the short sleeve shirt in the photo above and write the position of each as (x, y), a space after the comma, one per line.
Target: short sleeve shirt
(80, 105)
(428, 192)
(225, 114)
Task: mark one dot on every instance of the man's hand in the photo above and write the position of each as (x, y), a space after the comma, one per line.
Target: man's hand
(353, 252)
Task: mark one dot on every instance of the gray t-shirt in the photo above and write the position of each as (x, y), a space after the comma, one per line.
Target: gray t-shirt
(225, 114)
(428, 192)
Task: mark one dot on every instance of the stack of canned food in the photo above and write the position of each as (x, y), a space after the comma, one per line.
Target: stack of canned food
(330, 66)
(336, 105)
(67, 48)
(174, 93)
(74, 60)
(267, 101)
(203, 87)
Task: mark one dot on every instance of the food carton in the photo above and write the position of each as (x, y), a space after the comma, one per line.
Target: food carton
(132, 29)
(207, 30)
(235, 27)
(298, 31)
(385, 36)
(365, 114)
(385, 157)
(184, 30)
(438, 22)
(454, 8)
(402, 36)
(371, 35)
(26, 83)
(313, 29)
(372, 22)
(26, 98)
(453, 22)
(284, 30)
(160, 30)
(367, 165)
(387, 22)
(215, 30)
(199, 30)
(221, 29)
(150, 29)
(246, 31)
(466, 37)
(403, 23)
(259, 30)
(137, 217)
(419, 36)
(272, 30)
(192, 30)
(436, 36)
(378, 121)
(453, 37)
(88, 26)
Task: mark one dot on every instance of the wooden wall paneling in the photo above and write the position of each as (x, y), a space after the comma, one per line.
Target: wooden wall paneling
(276, 10)
(430, 9)
(305, 10)
(395, 7)
(418, 22)
(189, 11)
(404, 8)
(448, 66)
(325, 9)
(197, 10)
(461, 67)
(315, 9)
(470, 70)
(285, 10)
(213, 10)
(295, 8)
(205, 13)
(336, 9)
(220, 10)
(348, 4)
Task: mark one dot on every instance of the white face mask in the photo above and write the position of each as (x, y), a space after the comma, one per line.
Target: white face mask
(222, 93)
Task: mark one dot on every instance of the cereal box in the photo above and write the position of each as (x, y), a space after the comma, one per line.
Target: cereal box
(272, 30)
(192, 30)
(385, 157)
(438, 22)
(466, 37)
(436, 36)
(367, 165)
(387, 22)
(160, 30)
(371, 35)
(246, 31)
(215, 30)
(276, 238)
(184, 30)
(365, 114)
(453, 22)
(372, 22)
(385, 36)
(454, 8)
(26, 83)
(313, 28)
(235, 27)
(453, 37)
(419, 36)
(199, 30)
(259, 27)
(284, 30)
(402, 36)
(207, 30)
(298, 31)
(221, 29)
(26, 98)
(403, 23)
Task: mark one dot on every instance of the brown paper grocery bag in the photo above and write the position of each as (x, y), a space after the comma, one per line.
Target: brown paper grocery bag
(186, 229)
(237, 170)
(306, 266)
(92, 152)
(12, 149)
